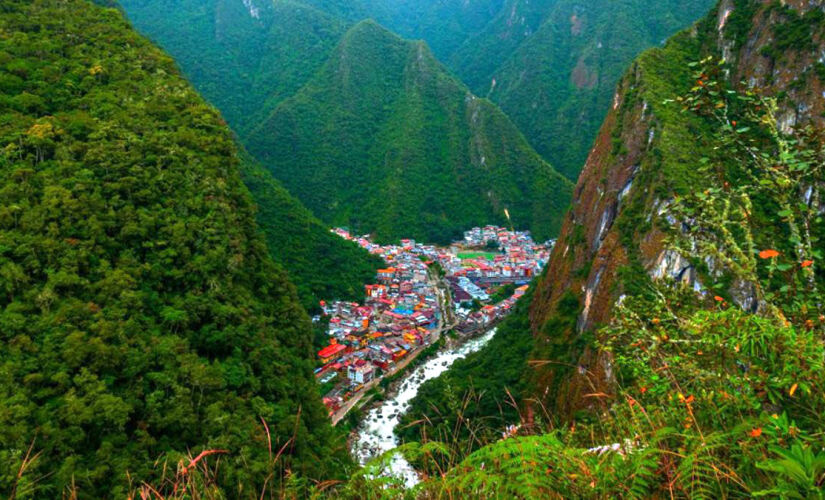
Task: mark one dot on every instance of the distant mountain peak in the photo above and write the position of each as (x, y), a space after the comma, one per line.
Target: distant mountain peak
(384, 138)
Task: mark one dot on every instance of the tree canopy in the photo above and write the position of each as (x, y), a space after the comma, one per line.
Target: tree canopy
(141, 316)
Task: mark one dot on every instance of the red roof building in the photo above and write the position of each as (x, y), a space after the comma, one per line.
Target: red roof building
(331, 352)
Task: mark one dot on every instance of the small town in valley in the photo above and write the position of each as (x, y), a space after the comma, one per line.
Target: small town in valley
(424, 292)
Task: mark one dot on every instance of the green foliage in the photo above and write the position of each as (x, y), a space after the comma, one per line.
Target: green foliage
(470, 403)
(555, 62)
(141, 317)
(800, 471)
(383, 139)
(503, 293)
(559, 82)
(795, 32)
(710, 403)
(743, 382)
(740, 21)
(321, 264)
(244, 65)
(756, 221)
(446, 25)
(392, 145)
(546, 467)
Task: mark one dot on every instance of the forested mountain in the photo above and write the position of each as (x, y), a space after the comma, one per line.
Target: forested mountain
(550, 64)
(558, 84)
(484, 51)
(654, 152)
(678, 329)
(244, 56)
(446, 25)
(242, 53)
(440, 164)
(384, 139)
(257, 54)
(141, 316)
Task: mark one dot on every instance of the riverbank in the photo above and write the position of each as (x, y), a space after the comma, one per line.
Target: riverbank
(410, 305)
(364, 391)
(388, 385)
(376, 436)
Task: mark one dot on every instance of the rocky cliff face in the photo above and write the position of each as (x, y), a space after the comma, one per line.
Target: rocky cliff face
(613, 239)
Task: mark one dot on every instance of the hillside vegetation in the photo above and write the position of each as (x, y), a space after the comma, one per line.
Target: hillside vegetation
(244, 57)
(322, 265)
(551, 65)
(558, 84)
(141, 317)
(406, 144)
(383, 139)
(256, 55)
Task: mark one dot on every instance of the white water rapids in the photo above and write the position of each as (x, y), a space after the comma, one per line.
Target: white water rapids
(375, 435)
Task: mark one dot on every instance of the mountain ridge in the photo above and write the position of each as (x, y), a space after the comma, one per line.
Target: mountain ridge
(387, 135)
(141, 316)
(615, 234)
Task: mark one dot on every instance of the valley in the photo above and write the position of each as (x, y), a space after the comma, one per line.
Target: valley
(430, 299)
(412, 249)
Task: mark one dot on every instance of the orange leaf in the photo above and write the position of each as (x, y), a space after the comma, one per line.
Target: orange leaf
(718, 299)
(755, 433)
(807, 263)
(793, 389)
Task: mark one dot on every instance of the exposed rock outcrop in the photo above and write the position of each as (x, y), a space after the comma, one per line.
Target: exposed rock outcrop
(613, 238)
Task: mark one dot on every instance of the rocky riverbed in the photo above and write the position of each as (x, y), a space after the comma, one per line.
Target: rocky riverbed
(375, 435)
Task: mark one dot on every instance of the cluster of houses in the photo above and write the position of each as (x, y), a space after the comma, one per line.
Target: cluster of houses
(519, 258)
(401, 313)
(474, 320)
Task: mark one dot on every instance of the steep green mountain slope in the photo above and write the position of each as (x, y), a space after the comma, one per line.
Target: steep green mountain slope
(555, 63)
(444, 24)
(228, 49)
(649, 154)
(484, 51)
(558, 84)
(321, 264)
(243, 53)
(383, 139)
(244, 56)
(141, 317)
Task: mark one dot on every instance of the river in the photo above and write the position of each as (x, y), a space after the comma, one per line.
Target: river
(375, 435)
